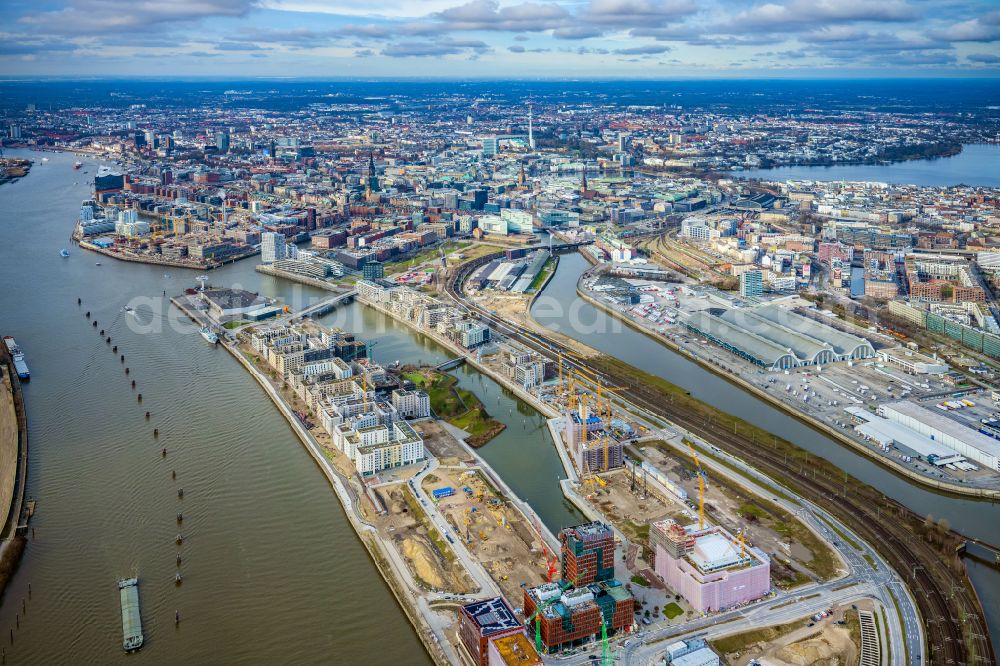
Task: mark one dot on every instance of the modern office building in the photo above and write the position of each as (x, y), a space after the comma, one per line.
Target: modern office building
(751, 284)
(573, 615)
(373, 270)
(588, 553)
(272, 247)
(491, 146)
(518, 221)
(513, 650)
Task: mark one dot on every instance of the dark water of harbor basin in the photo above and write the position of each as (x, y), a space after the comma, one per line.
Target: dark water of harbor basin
(273, 571)
(523, 454)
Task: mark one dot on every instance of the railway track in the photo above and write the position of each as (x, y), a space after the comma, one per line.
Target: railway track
(953, 620)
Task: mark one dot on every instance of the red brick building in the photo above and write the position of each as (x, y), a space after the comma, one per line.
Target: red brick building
(576, 614)
(588, 553)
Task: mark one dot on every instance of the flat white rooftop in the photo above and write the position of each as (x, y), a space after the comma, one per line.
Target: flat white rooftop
(713, 551)
(943, 424)
(885, 431)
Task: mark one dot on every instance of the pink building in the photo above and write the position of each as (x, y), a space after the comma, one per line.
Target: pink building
(708, 567)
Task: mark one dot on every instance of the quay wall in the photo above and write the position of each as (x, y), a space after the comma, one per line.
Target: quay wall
(158, 260)
(295, 277)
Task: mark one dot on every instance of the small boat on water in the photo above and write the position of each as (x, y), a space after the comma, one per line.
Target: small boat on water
(97, 263)
(131, 620)
(77, 165)
(64, 253)
(207, 333)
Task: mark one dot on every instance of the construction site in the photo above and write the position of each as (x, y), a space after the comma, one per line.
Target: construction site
(494, 532)
(629, 503)
(431, 561)
(798, 555)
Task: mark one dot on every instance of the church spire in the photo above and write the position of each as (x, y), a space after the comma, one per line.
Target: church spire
(372, 176)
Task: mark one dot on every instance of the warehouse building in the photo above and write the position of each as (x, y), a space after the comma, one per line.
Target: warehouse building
(692, 652)
(776, 338)
(885, 433)
(945, 431)
(748, 346)
(912, 362)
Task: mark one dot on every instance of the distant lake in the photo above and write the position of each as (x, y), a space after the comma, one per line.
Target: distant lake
(975, 165)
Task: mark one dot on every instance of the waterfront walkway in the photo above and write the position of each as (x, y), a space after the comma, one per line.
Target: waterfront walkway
(13, 449)
(8, 445)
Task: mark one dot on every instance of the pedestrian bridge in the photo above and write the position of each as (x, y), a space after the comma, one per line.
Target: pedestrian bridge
(328, 304)
(448, 365)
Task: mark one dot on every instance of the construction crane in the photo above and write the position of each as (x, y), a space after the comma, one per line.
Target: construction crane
(607, 399)
(741, 540)
(537, 615)
(571, 389)
(701, 485)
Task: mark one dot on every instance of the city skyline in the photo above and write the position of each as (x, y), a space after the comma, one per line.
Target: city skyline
(632, 39)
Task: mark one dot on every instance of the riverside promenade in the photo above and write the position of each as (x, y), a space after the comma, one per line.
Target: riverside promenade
(13, 455)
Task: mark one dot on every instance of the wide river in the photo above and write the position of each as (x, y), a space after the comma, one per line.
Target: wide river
(975, 165)
(273, 572)
(559, 308)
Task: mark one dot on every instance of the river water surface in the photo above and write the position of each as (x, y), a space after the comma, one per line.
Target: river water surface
(273, 571)
(976, 165)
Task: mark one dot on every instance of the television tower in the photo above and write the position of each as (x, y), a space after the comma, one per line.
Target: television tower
(531, 128)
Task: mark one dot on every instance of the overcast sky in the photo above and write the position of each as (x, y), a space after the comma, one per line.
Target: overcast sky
(642, 39)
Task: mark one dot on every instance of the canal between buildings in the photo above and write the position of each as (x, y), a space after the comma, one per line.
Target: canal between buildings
(559, 308)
